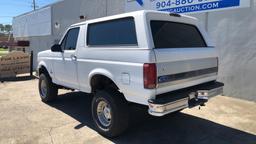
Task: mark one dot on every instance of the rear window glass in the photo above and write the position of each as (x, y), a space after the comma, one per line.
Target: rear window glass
(114, 32)
(176, 35)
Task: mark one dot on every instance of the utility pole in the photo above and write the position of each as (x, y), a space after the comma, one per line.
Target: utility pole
(34, 4)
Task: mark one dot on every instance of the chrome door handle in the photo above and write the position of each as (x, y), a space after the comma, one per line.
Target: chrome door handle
(73, 58)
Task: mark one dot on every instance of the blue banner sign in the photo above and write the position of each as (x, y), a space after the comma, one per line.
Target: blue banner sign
(185, 6)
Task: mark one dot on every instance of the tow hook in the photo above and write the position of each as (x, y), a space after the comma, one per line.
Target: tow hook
(201, 105)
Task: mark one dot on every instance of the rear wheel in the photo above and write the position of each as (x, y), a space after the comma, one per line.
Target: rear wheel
(110, 112)
(47, 90)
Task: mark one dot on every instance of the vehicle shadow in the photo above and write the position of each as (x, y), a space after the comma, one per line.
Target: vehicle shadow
(17, 79)
(177, 128)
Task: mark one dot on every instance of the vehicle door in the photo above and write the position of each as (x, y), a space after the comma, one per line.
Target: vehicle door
(65, 67)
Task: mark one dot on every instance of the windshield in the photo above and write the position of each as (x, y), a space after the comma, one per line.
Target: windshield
(176, 35)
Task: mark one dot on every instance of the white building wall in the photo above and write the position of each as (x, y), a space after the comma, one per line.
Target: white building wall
(235, 38)
(37, 23)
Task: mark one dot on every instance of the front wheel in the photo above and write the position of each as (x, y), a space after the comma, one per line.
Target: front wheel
(110, 112)
(47, 90)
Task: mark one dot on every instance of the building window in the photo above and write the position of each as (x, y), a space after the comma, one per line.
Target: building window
(113, 32)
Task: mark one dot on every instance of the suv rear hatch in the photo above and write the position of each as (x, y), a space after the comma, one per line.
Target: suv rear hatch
(184, 57)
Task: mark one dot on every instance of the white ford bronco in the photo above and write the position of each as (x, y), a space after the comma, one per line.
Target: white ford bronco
(162, 60)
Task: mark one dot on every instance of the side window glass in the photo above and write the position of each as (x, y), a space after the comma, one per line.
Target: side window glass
(114, 32)
(63, 42)
(70, 40)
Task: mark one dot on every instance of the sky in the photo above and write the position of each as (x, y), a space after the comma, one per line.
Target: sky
(11, 8)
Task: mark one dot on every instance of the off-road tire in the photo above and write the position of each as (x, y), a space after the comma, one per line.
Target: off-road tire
(51, 92)
(119, 112)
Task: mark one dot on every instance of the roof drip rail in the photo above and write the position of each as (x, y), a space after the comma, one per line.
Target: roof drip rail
(175, 14)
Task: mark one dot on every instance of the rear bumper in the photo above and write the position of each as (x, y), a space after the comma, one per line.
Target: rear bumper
(184, 98)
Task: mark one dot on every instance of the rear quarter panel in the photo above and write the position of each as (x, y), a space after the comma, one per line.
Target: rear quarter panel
(123, 66)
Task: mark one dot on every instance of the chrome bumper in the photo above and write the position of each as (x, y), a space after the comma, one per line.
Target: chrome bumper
(185, 98)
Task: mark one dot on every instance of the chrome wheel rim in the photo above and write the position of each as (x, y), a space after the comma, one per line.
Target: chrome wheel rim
(104, 113)
(43, 89)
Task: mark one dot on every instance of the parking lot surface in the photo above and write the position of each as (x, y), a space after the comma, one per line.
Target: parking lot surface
(25, 119)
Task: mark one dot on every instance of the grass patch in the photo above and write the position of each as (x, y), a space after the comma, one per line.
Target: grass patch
(3, 51)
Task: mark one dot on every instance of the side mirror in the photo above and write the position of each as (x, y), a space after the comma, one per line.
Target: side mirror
(56, 48)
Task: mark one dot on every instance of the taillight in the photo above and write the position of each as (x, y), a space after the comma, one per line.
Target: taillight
(149, 74)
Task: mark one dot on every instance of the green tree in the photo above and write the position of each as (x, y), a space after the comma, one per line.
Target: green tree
(8, 28)
(1, 27)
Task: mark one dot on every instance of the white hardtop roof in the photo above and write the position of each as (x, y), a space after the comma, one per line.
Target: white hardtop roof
(135, 13)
